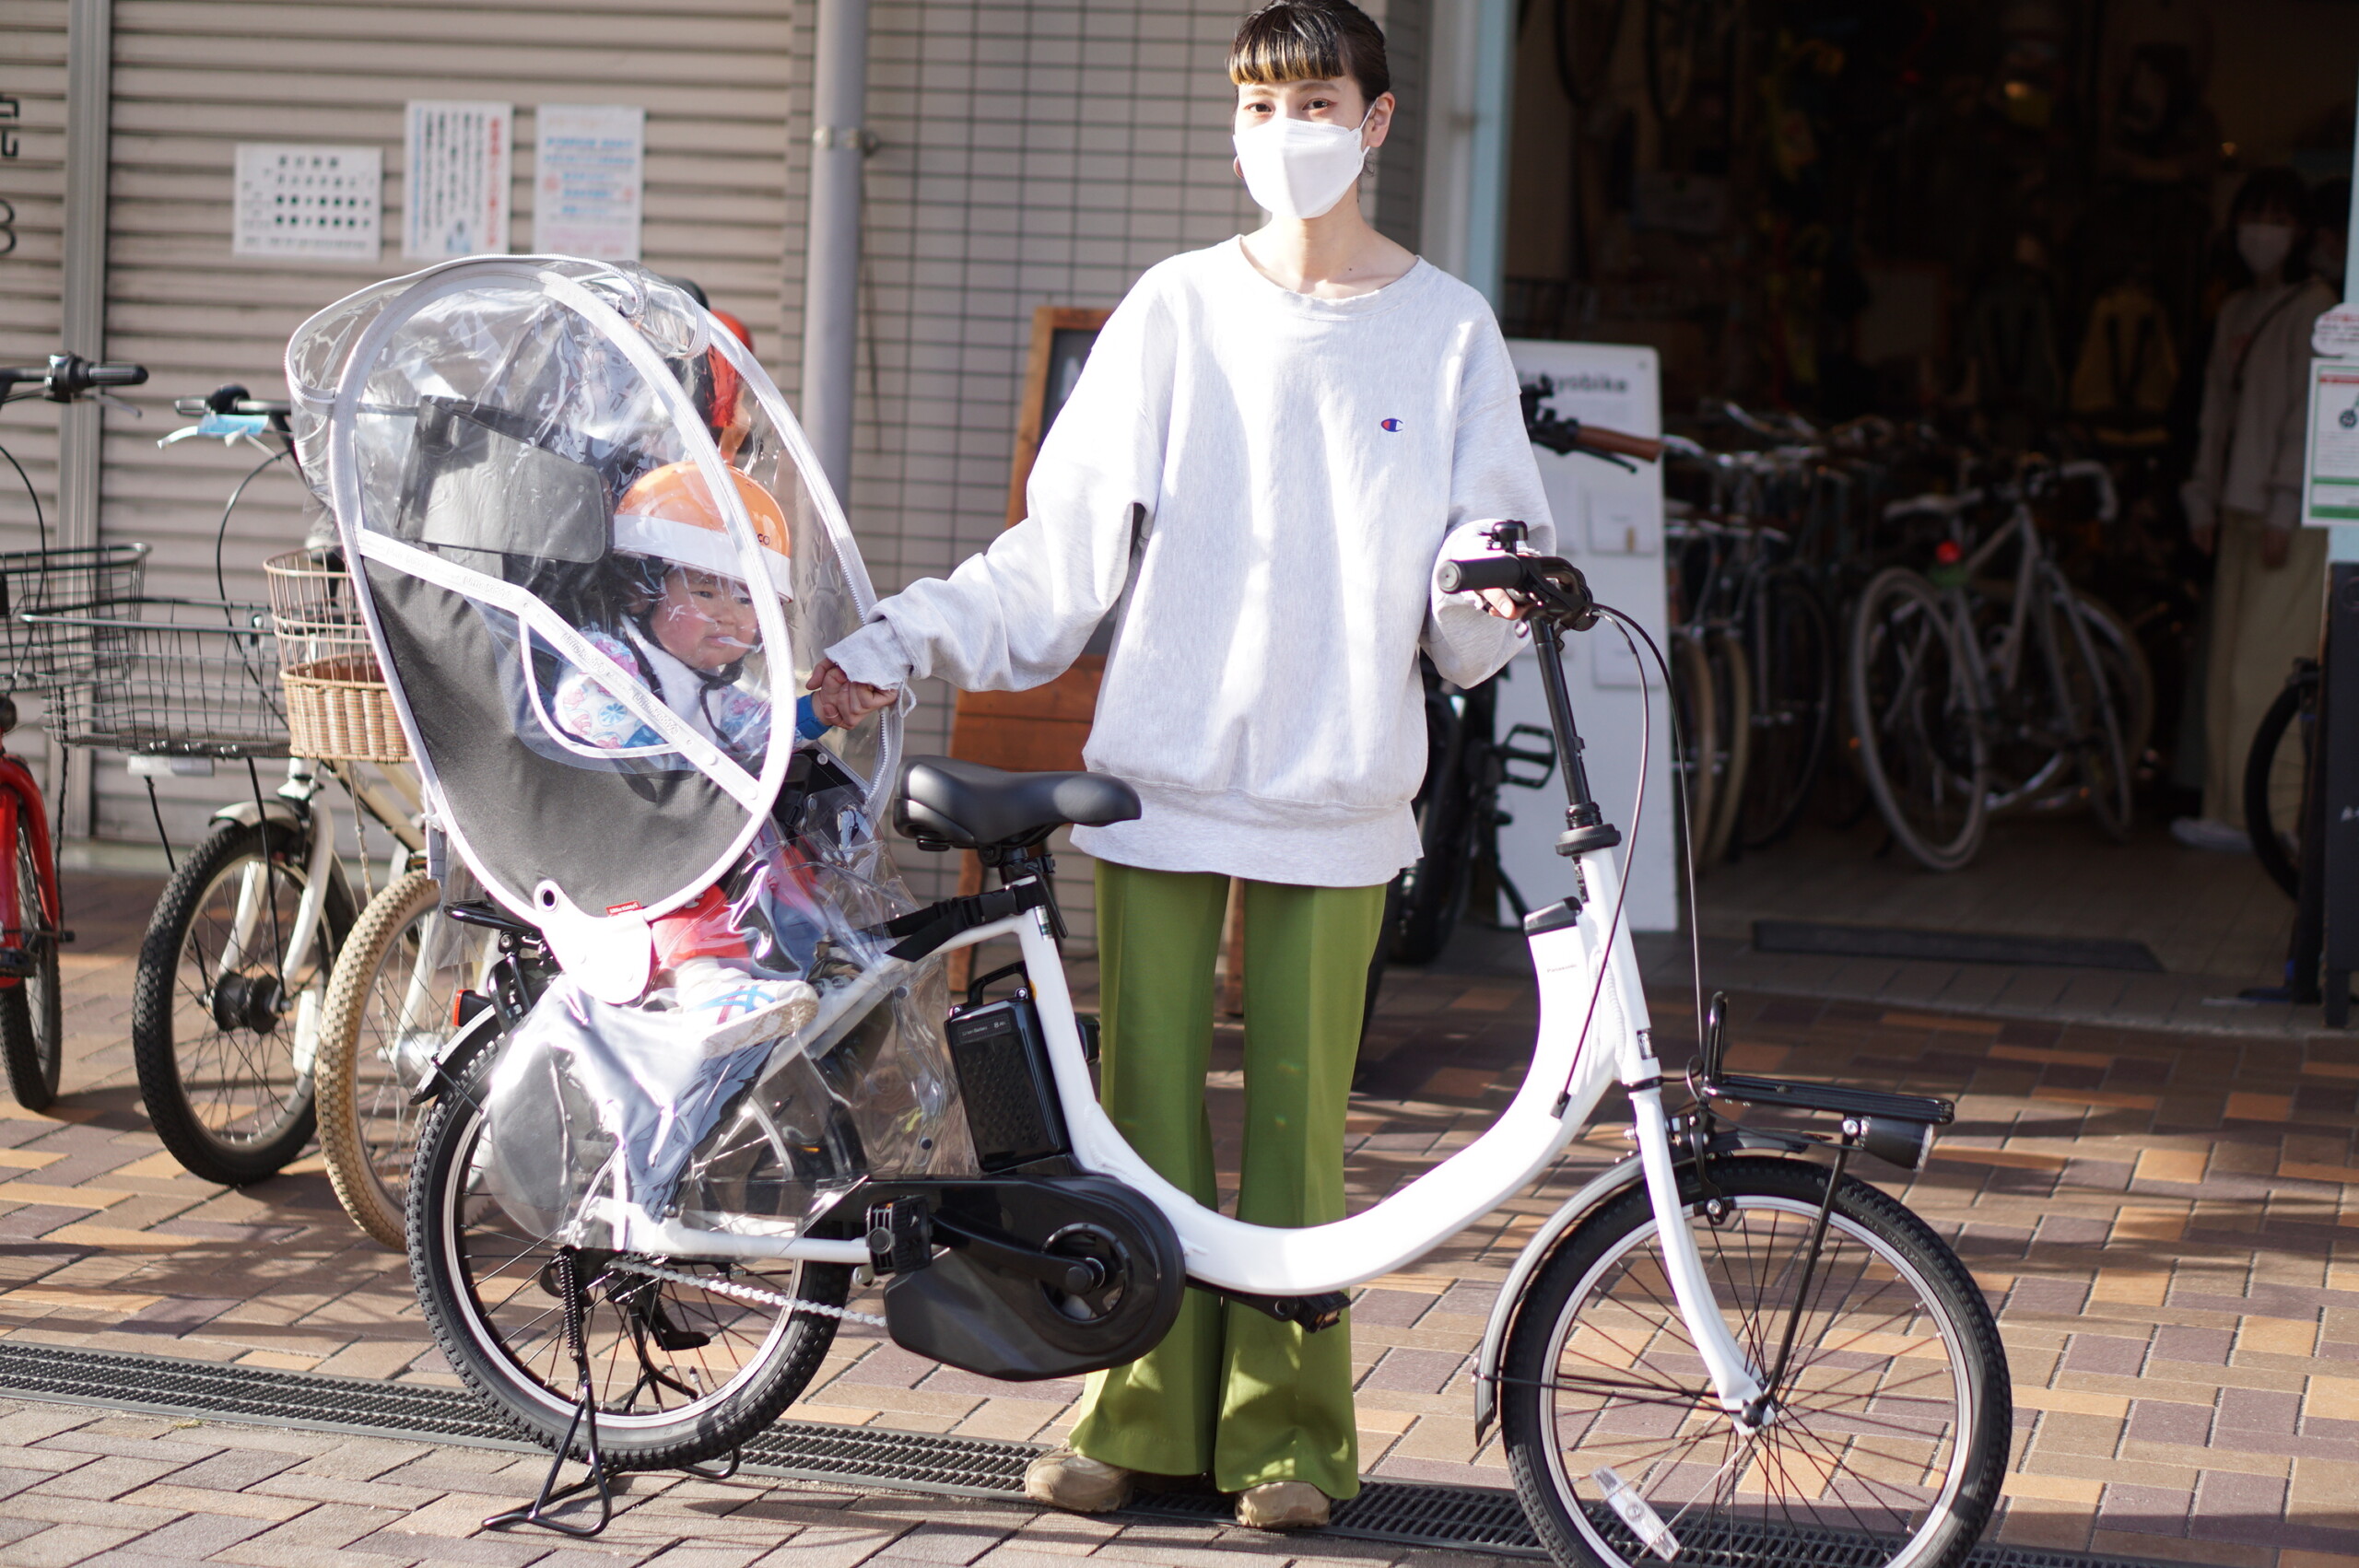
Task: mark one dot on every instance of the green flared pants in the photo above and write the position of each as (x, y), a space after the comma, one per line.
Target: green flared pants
(1230, 1391)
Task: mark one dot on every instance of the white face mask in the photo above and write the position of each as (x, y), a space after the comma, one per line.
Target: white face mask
(2264, 246)
(1300, 168)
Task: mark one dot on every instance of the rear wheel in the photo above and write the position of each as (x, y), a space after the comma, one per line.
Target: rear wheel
(1889, 1433)
(221, 1030)
(681, 1372)
(1732, 702)
(1697, 710)
(32, 1013)
(1912, 708)
(2091, 704)
(2274, 773)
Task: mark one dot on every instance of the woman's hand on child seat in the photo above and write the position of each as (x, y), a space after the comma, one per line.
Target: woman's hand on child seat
(843, 702)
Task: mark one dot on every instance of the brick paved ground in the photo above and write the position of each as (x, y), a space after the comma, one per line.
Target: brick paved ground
(2160, 1219)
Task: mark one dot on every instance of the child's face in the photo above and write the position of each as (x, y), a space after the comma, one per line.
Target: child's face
(704, 620)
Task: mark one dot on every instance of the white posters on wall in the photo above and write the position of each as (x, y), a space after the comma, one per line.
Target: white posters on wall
(309, 203)
(456, 189)
(588, 179)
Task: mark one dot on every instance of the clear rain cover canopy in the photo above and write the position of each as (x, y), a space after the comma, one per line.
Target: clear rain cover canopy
(517, 451)
(597, 556)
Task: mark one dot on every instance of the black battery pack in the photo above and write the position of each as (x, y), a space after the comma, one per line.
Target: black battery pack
(1011, 1100)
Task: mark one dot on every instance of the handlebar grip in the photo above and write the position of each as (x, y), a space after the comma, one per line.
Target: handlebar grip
(1620, 443)
(120, 375)
(1486, 571)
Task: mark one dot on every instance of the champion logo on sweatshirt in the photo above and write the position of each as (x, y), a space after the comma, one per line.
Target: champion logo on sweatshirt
(1393, 424)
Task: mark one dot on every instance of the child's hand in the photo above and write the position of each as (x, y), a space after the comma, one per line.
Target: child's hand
(842, 701)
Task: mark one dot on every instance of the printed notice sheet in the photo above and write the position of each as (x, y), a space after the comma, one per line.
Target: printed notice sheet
(586, 188)
(2330, 471)
(315, 203)
(456, 188)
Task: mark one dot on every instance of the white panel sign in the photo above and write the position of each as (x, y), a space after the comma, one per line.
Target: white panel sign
(2331, 466)
(455, 182)
(310, 202)
(1609, 522)
(587, 181)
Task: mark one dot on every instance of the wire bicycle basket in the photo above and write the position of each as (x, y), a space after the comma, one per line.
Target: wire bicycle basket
(47, 655)
(338, 706)
(174, 677)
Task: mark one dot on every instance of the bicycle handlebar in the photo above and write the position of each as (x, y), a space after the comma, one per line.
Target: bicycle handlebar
(1486, 571)
(69, 376)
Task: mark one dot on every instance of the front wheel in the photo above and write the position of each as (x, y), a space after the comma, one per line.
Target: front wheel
(2275, 770)
(1913, 708)
(682, 1373)
(222, 1030)
(1890, 1427)
(32, 1013)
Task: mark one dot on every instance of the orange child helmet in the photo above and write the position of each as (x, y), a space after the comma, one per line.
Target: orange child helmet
(669, 514)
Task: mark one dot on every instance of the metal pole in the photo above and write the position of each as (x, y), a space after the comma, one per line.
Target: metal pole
(831, 268)
(90, 94)
(89, 53)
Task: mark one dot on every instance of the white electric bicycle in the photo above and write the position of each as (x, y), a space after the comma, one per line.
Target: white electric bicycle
(633, 1225)
(1722, 1350)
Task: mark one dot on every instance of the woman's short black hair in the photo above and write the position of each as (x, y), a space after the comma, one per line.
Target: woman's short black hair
(1309, 41)
(2276, 187)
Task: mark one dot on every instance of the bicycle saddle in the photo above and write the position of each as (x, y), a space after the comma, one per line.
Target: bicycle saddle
(945, 803)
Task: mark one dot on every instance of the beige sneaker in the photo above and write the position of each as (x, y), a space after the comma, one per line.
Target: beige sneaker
(1076, 1482)
(1282, 1505)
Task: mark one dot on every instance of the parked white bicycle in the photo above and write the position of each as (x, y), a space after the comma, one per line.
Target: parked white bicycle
(1725, 1349)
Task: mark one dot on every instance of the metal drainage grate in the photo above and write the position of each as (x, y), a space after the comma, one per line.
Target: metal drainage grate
(1469, 1518)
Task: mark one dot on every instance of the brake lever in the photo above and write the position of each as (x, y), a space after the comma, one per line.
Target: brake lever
(108, 400)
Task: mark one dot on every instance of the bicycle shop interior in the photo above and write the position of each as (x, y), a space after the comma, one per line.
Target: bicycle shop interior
(1950, 249)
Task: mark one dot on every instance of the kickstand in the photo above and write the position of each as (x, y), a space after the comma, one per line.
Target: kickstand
(585, 1415)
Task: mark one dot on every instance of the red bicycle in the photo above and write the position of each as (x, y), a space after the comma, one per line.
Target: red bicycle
(44, 659)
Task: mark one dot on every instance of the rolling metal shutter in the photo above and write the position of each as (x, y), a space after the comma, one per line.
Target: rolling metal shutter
(194, 79)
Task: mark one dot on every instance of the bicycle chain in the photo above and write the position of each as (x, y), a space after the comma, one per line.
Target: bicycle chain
(718, 1285)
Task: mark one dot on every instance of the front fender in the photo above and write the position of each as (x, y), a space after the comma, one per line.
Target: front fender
(1624, 1172)
(475, 1038)
(248, 814)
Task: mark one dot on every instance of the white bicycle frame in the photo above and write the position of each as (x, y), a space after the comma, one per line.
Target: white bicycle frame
(1579, 964)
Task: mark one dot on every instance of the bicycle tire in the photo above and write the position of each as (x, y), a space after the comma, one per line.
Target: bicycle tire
(1733, 702)
(1793, 709)
(2130, 673)
(1934, 1374)
(32, 1010)
(1917, 747)
(2084, 685)
(172, 1062)
(1698, 722)
(499, 1348)
(367, 1127)
(2278, 849)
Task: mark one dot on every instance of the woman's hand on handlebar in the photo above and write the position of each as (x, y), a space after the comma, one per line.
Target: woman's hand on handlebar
(842, 702)
(1505, 605)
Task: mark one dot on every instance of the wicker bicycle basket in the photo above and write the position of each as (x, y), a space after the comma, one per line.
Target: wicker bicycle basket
(43, 656)
(338, 709)
(174, 677)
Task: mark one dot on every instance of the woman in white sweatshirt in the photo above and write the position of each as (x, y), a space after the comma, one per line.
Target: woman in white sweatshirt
(1273, 445)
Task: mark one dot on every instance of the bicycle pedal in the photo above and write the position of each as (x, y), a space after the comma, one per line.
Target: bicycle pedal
(15, 963)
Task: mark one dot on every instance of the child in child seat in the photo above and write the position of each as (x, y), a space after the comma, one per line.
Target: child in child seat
(685, 626)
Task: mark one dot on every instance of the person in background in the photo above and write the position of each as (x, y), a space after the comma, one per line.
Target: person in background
(2244, 498)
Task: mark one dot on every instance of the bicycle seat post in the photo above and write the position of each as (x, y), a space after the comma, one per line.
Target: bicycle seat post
(1585, 825)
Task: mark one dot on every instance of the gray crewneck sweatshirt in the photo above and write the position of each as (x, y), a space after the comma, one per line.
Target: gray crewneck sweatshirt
(1290, 472)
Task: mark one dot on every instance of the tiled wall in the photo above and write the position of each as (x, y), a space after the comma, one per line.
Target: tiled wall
(1033, 152)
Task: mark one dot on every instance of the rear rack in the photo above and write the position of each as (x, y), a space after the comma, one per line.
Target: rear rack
(1834, 1097)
